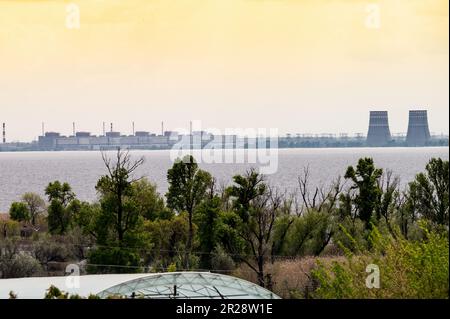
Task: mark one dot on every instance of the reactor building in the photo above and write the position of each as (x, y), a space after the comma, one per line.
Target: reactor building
(379, 133)
(418, 130)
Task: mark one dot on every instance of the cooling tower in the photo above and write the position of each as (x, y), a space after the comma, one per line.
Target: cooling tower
(418, 131)
(379, 133)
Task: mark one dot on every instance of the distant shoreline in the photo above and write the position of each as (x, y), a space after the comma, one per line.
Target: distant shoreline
(219, 149)
(112, 148)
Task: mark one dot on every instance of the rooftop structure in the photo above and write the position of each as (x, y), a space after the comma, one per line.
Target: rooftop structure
(142, 133)
(113, 134)
(82, 134)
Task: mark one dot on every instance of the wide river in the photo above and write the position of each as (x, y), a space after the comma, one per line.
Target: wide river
(32, 171)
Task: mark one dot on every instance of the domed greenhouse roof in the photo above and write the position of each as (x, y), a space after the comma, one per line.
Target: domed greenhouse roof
(189, 285)
(176, 285)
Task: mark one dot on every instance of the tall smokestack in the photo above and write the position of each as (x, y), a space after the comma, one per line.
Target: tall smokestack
(379, 133)
(112, 127)
(4, 133)
(43, 128)
(191, 137)
(73, 128)
(162, 128)
(418, 130)
(104, 129)
(133, 129)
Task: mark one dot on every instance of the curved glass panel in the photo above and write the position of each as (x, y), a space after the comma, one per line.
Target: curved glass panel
(189, 285)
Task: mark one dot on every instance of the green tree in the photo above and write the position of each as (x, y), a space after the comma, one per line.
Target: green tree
(168, 238)
(85, 216)
(188, 187)
(62, 192)
(35, 204)
(228, 233)
(115, 188)
(248, 188)
(309, 235)
(117, 225)
(148, 201)
(366, 182)
(258, 208)
(207, 218)
(19, 212)
(428, 194)
(59, 216)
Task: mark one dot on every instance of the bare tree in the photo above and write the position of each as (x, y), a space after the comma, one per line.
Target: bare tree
(288, 206)
(321, 198)
(388, 200)
(258, 232)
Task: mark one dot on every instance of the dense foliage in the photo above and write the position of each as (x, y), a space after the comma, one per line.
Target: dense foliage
(246, 228)
(408, 269)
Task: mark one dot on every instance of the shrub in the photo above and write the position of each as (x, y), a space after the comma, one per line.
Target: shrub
(9, 228)
(14, 263)
(172, 268)
(408, 269)
(20, 265)
(48, 250)
(291, 278)
(221, 261)
(113, 260)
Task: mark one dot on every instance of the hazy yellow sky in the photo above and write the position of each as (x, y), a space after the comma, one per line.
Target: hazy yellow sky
(298, 65)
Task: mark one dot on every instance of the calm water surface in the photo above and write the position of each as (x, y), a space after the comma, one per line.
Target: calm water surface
(32, 171)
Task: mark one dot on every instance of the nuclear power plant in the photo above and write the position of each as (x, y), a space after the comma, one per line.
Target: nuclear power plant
(418, 130)
(379, 133)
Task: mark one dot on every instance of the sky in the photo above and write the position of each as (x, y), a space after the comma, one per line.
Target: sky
(301, 66)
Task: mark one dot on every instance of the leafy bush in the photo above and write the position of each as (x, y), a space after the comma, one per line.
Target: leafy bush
(55, 293)
(172, 268)
(114, 260)
(408, 269)
(14, 263)
(221, 261)
(20, 265)
(48, 250)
